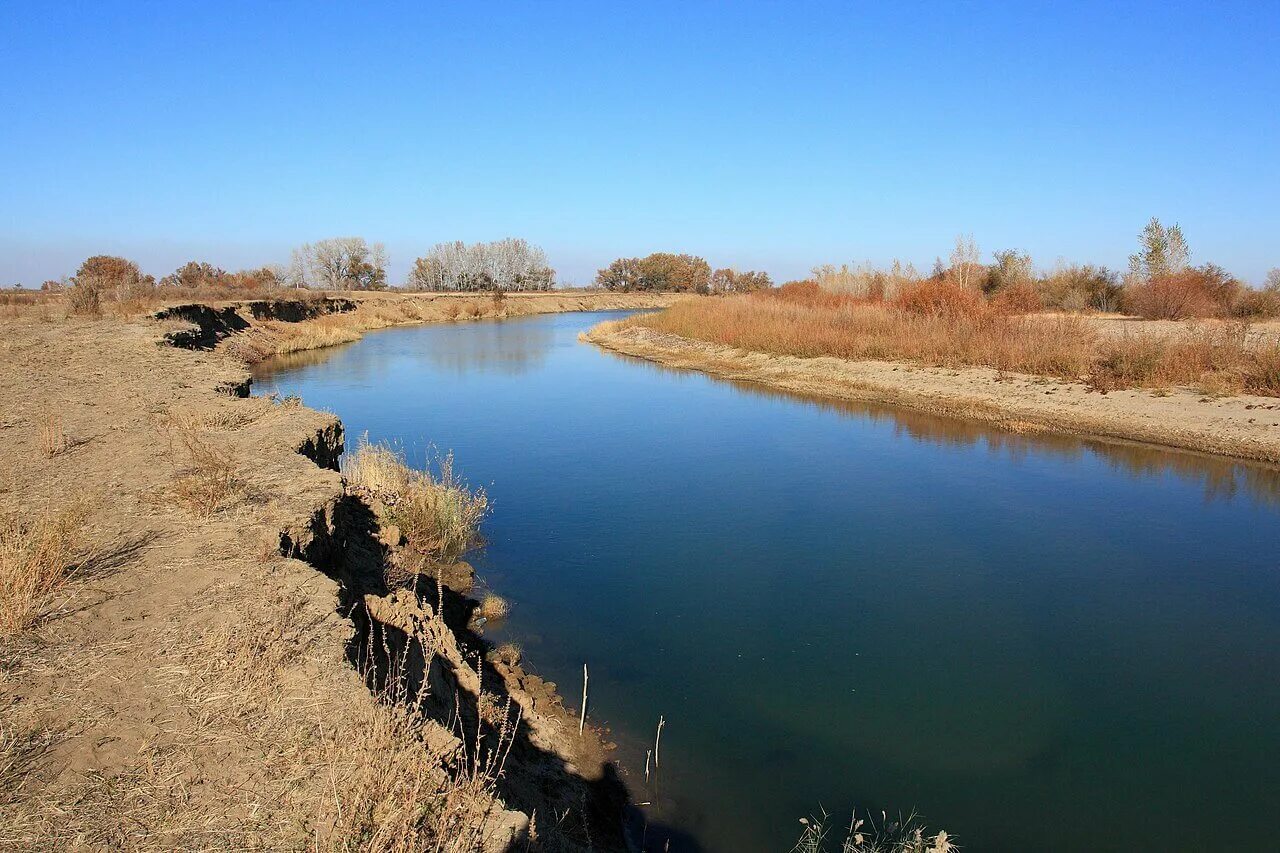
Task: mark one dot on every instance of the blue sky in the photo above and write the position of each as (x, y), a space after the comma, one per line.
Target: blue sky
(767, 135)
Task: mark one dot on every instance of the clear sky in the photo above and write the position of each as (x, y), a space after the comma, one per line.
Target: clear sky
(766, 135)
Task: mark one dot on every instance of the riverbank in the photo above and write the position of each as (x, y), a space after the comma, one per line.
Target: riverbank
(1242, 426)
(256, 329)
(237, 654)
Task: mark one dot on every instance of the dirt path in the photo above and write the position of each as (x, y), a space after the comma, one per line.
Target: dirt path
(1242, 426)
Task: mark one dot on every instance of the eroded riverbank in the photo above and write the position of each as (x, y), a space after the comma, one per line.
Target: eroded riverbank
(232, 666)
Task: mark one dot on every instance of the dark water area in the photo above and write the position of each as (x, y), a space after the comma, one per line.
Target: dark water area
(1038, 643)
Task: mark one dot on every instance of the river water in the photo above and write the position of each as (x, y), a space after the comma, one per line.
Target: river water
(1036, 643)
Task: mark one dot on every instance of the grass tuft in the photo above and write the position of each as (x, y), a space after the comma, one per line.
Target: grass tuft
(437, 512)
(39, 554)
(900, 835)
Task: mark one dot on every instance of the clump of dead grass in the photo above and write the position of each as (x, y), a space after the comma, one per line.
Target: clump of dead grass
(900, 835)
(40, 552)
(210, 480)
(438, 513)
(53, 436)
(493, 607)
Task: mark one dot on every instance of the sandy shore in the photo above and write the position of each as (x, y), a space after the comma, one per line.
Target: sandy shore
(1245, 427)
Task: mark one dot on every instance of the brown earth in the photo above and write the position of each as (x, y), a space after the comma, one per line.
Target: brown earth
(238, 676)
(1242, 426)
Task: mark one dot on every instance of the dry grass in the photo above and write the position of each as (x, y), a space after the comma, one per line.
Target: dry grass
(53, 436)
(259, 751)
(316, 335)
(493, 607)
(437, 512)
(934, 329)
(209, 482)
(39, 554)
(901, 835)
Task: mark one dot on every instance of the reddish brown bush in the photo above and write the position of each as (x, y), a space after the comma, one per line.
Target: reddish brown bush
(1207, 291)
(1020, 298)
(939, 298)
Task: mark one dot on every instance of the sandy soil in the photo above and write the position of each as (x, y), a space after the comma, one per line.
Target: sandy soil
(198, 689)
(1245, 427)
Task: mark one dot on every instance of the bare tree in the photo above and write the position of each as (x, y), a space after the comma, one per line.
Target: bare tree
(340, 263)
(965, 260)
(510, 264)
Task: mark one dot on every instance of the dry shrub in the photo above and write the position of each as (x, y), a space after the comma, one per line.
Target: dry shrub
(209, 481)
(1207, 291)
(1019, 298)
(84, 300)
(939, 298)
(39, 554)
(53, 437)
(450, 309)
(1253, 304)
(1080, 288)
(437, 512)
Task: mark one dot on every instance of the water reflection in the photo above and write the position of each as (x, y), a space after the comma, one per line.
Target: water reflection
(510, 347)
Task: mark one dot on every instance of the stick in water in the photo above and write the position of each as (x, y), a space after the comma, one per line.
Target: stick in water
(658, 739)
(648, 753)
(582, 721)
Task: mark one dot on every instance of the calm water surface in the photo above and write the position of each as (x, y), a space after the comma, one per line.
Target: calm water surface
(1041, 644)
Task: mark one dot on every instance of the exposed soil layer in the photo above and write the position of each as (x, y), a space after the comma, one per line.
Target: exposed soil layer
(213, 682)
(1243, 426)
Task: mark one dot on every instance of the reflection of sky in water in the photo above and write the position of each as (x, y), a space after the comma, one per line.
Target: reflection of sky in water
(1040, 642)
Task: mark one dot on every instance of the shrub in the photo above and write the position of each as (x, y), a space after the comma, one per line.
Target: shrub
(194, 274)
(1011, 269)
(1018, 298)
(84, 299)
(1207, 291)
(1080, 288)
(116, 277)
(1254, 304)
(940, 298)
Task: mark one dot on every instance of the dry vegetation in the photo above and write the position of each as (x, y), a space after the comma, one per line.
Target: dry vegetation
(39, 554)
(940, 323)
(900, 835)
(437, 512)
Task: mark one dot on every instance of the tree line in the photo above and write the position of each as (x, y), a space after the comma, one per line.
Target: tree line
(680, 273)
(1159, 283)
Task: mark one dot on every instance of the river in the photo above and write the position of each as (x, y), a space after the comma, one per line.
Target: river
(1037, 643)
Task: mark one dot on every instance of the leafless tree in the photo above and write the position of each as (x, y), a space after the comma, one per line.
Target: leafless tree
(505, 265)
(340, 263)
(965, 260)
